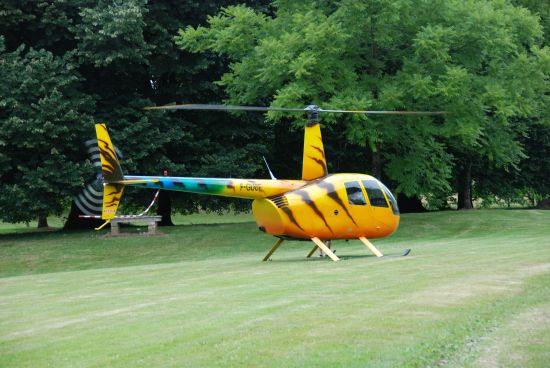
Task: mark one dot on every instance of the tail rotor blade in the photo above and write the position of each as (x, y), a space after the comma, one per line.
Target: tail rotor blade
(90, 200)
(93, 153)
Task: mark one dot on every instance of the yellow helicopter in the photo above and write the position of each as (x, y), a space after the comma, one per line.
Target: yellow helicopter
(320, 207)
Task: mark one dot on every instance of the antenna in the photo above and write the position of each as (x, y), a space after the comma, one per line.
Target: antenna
(268, 169)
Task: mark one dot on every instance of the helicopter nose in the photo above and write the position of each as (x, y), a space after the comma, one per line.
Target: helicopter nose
(390, 225)
(395, 223)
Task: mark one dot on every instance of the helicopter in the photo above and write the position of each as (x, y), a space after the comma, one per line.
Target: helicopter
(319, 207)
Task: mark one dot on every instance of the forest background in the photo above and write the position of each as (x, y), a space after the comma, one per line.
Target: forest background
(66, 65)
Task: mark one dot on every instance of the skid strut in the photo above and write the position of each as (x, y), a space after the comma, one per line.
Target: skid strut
(273, 249)
(325, 249)
(372, 248)
(315, 247)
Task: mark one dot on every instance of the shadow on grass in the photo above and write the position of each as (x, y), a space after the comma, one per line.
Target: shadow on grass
(36, 233)
(22, 234)
(316, 258)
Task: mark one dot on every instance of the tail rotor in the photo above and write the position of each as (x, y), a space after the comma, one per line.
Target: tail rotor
(90, 200)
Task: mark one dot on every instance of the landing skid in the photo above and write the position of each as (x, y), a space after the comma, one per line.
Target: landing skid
(405, 253)
(319, 244)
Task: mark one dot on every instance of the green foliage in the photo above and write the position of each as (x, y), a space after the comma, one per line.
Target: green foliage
(121, 57)
(421, 163)
(484, 69)
(112, 32)
(480, 61)
(42, 116)
(542, 10)
(530, 183)
(67, 64)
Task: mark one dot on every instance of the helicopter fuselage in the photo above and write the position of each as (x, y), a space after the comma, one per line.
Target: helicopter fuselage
(339, 206)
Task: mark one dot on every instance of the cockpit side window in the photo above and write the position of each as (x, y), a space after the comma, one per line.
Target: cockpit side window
(376, 197)
(355, 194)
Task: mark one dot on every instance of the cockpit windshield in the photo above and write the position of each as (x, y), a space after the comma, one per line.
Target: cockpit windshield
(391, 198)
(376, 197)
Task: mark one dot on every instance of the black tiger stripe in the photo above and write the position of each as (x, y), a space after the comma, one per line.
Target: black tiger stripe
(307, 199)
(321, 151)
(112, 202)
(291, 217)
(115, 196)
(321, 163)
(111, 167)
(331, 192)
(106, 149)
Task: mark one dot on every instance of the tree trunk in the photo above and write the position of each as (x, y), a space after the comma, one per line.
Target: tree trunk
(465, 187)
(409, 204)
(42, 221)
(376, 163)
(164, 208)
(544, 204)
(76, 223)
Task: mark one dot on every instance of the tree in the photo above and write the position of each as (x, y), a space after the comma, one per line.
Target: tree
(124, 58)
(42, 115)
(476, 60)
(542, 10)
(530, 183)
(488, 71)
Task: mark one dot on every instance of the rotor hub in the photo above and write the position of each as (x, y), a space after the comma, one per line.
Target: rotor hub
(312, 112)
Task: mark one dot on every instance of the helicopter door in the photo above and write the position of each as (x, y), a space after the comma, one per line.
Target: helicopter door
(357, 204)
(378, 203)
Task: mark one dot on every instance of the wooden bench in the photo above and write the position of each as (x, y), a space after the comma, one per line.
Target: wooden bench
(150, 220)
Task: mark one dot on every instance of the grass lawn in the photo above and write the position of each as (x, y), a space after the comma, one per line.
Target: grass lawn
(474, 292)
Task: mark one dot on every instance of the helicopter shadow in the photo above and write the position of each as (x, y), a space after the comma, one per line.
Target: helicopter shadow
(342, 257)
(322, 259)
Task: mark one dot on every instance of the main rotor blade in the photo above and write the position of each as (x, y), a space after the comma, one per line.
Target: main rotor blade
(221, 108)
(382, 112)
(310, 109)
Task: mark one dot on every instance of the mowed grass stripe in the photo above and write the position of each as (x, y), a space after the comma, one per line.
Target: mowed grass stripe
(225, 308)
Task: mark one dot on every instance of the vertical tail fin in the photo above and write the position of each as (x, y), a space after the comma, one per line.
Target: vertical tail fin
(112, 173)
(110, 166)
(314, 164)
(112, 193)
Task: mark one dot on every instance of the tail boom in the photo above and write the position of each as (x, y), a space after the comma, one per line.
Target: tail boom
(237, 188)
(114, 181)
